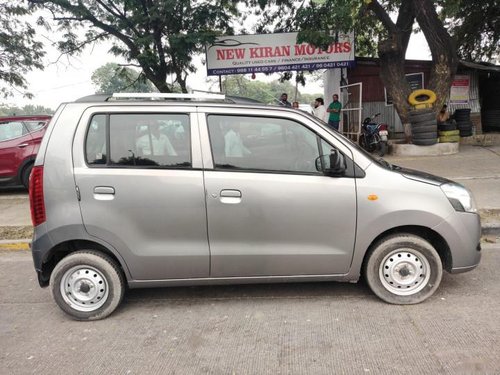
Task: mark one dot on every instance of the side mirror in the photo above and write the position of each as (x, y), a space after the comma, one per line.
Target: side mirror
(332, 165)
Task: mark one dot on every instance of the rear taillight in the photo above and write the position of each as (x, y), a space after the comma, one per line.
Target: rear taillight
(37, 203)
(382, 127)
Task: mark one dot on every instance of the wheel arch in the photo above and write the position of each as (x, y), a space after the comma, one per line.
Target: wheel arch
(65, 248)
(26, 162)
(434, 238)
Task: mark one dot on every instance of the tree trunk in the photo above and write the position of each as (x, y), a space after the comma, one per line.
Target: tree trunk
(443, 50)
(392, 74)
(392, 53)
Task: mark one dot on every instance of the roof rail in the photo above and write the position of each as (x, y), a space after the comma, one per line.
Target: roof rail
(174, 96)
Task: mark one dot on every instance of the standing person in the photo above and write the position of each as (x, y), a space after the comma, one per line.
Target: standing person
(284, 100)
(443, 115)
(334, 109)
(319, 109)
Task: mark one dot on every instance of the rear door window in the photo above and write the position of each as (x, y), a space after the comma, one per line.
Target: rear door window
(139, 140)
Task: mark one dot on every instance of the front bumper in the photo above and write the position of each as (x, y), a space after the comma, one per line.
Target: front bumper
(462, 232)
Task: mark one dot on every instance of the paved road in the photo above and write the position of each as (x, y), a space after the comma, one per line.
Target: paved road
(319, 328)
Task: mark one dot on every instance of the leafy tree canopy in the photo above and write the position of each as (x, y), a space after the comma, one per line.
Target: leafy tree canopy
(20, 52)
(266, 92)
(112, 78)
(160, 37)
(475, 26)
(29, 109)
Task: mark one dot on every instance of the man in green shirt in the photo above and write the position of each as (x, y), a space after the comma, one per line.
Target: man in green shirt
(334, 109)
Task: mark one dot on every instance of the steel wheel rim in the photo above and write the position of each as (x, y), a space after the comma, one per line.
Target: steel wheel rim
(404, 272)
(84, 288)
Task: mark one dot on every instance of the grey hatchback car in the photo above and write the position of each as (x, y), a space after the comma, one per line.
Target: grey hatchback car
(151, 190)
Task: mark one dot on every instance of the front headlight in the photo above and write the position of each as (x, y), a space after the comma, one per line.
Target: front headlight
(460, 198)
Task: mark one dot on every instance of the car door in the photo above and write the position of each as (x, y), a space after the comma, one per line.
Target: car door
(15, 146)
(270, 212)
(141, 189)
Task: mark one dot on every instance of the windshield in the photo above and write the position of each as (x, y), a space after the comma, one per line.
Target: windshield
(377, 160)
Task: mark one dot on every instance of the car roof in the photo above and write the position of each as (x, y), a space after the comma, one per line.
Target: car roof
(25, 118)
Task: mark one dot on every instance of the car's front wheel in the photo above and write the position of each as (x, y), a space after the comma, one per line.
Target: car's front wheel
(403, 269)
(87, 285)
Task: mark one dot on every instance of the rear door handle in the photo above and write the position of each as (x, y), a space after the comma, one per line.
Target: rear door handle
(104, 190)
(23, 145)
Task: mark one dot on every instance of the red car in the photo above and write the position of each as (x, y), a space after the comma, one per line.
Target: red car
(20, 138)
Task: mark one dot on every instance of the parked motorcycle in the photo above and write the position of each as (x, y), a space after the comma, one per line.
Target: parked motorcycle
(374, 135)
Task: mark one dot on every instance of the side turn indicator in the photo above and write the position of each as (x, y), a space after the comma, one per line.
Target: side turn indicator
(372, 197)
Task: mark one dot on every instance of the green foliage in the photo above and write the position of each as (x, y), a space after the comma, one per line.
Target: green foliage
(475, 26)
(26, 110)
(160, 37)
(19, 50)
(266, 92)
(112, 78)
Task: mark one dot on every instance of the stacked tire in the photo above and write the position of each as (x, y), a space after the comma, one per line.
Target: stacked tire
(423, 127)
(491, 120)
(464, 124)
(448, 132)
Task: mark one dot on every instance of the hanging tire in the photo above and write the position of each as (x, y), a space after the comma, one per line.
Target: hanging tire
(422, 96)
(403, 269)
(424, 142)
(87, 285)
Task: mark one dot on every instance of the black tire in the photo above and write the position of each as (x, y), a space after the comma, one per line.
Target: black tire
(465, 133)
(363, 144)
(382, 148)
(428, 135)
(99, 274)
(424, 123)
(25, 176)
(424, 142)
(447, 126)
(403, 269)
(422, 117)
(423, 111)
(423, 129)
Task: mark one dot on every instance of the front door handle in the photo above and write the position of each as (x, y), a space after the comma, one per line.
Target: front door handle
(230, 196)
(230, 193)
(23, 145)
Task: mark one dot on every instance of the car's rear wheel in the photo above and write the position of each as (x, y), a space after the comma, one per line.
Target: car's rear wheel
(403, 269)
(25, 176)
(87, 285)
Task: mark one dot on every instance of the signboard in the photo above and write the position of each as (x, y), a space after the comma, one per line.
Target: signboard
(416, 82)
(459, 91)
(268, 53)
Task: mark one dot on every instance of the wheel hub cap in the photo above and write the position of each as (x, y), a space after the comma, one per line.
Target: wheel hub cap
(404, 272)
(84, 288)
